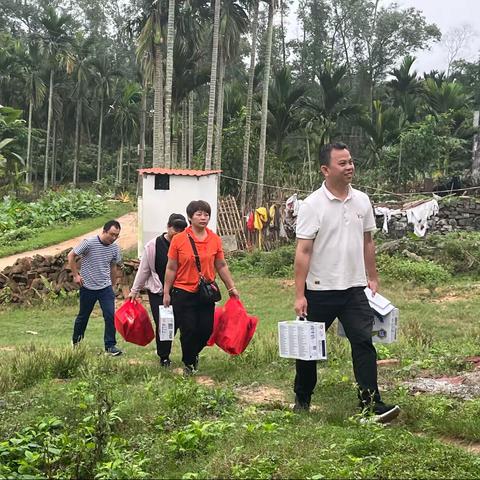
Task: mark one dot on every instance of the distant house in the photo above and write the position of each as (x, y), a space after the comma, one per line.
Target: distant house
(165, 191)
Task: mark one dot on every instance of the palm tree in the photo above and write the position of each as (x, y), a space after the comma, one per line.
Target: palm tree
(284, 99)
(56, 47)
(406, 88)
(233, 23)
(35, 93)
(213, 85)
(104, 72)
(125, 114)
(444, 96)
(150, 51)
(263, 122)
(168, 82)
(82, 75)
(248, 113)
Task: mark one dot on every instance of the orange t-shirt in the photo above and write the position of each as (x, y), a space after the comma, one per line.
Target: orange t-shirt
(181, 250)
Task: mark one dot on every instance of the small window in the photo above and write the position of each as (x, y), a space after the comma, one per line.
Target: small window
(162, 182)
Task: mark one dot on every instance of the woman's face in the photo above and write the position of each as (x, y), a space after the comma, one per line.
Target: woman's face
(200, 219)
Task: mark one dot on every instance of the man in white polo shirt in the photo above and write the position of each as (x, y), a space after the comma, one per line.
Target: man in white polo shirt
(334, 248)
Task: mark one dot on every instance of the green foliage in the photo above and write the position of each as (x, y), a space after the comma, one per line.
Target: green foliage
(424, 273)
(276, 263)
(18, 219)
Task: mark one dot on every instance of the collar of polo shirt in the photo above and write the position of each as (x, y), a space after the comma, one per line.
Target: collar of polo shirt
(331, 196)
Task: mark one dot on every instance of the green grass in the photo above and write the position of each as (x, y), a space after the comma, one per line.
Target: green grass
(62, 232)
(152, 423)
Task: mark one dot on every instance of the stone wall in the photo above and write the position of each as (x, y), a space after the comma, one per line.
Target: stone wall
(455, 214)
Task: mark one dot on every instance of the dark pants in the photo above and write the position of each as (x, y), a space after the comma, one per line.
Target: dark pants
(352, 309)
(163, 347)
(195, 320)
(88, 298)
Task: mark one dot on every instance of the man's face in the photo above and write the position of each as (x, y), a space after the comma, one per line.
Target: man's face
(111, 235)
(341, 168)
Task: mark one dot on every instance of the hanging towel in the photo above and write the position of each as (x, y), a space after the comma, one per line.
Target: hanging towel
(420, 214)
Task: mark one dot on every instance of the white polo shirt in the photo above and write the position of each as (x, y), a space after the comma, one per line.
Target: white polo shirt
(337, 227)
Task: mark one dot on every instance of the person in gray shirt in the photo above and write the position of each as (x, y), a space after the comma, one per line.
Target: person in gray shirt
(100, 256)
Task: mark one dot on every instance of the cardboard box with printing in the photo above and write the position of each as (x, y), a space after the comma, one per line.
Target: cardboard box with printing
(302, 340)
(386, 319)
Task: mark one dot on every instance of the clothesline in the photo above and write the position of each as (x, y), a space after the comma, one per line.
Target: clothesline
(375, 189)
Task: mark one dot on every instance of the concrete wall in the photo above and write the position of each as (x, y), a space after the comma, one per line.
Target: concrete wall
(157, 205)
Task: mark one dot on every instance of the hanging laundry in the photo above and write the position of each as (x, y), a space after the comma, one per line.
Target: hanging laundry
(259, 222)
(419, 216)
(250, 221)
(387, 215)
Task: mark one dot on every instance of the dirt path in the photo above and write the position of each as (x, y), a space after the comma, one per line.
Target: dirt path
(127, 240)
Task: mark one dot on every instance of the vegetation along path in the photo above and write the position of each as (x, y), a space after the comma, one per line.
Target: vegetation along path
(127, 240)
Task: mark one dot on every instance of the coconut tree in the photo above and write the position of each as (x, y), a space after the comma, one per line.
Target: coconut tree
(125, 115)
(248, 112)
(103, 74)
(233, 24)
(168, 82)
(35, 90)
(56, 47)
(272, 4)
(213, 85)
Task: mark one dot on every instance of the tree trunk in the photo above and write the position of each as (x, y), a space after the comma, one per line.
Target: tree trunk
(184, 133)
(28, 178)
(49, 126)
(190, 129)
(78, 122)
(282, 27)
(217, 154)
(143, 121)
(53, 177)
(100, 132)
(263, 124)
(158, 135)
(120, 160)
(168, 82)
(213, 85)
(248, 113)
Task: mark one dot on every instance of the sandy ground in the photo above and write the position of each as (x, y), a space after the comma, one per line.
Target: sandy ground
(127, 240)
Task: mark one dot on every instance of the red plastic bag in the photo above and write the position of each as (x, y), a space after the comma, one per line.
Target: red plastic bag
(133, 323)
(233, 328)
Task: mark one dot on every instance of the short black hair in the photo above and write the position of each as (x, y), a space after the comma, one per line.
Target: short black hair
(110, 224)
(325, 152)
(198, 206)
(177, 221)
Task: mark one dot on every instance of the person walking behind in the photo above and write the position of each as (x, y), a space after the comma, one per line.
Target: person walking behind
(151, 275)
(100, 256)
(334, 248)
(193, 314)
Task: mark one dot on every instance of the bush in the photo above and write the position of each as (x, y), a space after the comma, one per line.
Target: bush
(425, 273)
(19, 219)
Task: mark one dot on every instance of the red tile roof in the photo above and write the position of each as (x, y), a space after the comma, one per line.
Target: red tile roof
(174, 171)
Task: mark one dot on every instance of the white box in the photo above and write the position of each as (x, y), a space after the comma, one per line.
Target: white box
(302, 340)
(166, 324)
(386, 316)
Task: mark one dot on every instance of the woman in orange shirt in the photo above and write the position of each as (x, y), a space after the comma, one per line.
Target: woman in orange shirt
(193, 315)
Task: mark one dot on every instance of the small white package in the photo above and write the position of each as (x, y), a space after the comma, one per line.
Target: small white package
(302, 340)
(167, 323)
(386, 319)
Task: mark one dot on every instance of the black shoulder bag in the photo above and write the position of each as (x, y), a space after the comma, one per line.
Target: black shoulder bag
(207, 291)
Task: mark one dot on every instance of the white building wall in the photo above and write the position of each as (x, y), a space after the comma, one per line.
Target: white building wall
(158, 205)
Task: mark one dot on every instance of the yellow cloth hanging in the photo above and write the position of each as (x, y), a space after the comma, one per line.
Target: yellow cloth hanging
(261, 218)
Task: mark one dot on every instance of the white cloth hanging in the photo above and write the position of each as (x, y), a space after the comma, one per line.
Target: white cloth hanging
(419, 216)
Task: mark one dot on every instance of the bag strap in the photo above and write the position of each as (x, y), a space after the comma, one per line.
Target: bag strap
(197, 258)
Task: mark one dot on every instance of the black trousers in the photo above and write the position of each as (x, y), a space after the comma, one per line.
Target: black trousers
(163, 347)
(195, 320)
(352, 309)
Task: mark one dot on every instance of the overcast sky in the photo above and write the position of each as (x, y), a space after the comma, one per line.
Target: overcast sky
(446, 14)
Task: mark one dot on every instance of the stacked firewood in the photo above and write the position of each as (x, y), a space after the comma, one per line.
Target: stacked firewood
(38, 277)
